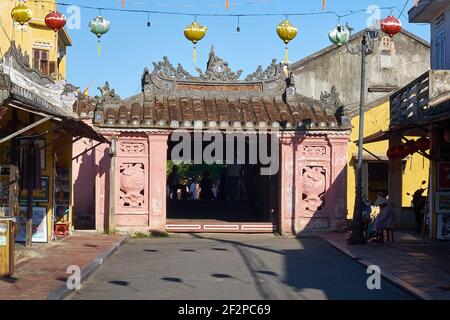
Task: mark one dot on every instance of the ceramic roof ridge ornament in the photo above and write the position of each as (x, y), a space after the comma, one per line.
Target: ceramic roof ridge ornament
(99, 26)
(287, 32)
(195, 32)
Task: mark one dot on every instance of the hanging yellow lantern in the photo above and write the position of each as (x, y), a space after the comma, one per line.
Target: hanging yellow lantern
(194, 33)
(21, 14)
(287, 32)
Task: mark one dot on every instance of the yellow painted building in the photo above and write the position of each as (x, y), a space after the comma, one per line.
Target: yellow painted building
(375, 165)
(38, 43)
(36, 40)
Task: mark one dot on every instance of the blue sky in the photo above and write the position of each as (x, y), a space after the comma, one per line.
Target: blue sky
(130, 45)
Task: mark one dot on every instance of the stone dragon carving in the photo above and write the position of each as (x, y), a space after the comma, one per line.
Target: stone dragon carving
(274, 70)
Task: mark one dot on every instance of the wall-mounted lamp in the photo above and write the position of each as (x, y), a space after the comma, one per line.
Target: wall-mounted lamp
(113, 147)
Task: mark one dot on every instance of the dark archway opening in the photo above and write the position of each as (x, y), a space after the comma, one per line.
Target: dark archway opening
(233, 189)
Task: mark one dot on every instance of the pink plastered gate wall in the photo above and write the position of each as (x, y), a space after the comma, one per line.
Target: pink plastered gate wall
(312, 195)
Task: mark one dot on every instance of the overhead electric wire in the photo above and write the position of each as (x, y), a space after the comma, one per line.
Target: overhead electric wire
(342, 14)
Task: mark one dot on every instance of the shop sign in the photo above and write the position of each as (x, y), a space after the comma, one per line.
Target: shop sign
(443, 175)
(39, 225)
(442, 202)
(443, 227)
(3, 230)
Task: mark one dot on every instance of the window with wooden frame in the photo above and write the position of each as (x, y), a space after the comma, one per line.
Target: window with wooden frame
(41, 62)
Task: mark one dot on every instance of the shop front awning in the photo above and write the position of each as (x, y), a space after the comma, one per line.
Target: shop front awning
(66, 123)
(27, 89)
(71, 125)
(389, 134)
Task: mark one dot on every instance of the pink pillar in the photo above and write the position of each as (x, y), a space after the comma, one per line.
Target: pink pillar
(287, 186)
(313, 182)
(102, 160)
(339, 145)
(157, 177)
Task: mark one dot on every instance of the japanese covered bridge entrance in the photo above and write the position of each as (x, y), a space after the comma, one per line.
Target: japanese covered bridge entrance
(288, 151)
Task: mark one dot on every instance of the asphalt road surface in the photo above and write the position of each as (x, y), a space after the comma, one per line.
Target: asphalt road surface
(231, 267)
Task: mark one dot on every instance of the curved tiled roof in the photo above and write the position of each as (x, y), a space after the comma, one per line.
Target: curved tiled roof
(172, 98)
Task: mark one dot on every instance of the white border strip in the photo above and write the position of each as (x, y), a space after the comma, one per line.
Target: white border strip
(183, 227)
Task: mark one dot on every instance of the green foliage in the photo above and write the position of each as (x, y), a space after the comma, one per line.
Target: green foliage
(196, 170)
(140, 235)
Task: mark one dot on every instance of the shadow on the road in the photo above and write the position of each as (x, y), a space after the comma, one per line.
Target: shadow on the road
(227, 276)
(219, 249)
(269, 273)
(122, 284)
(313, 271)
(176, 280)
(150, 250)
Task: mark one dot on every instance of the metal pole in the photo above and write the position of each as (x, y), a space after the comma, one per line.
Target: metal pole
(112, 187)
(29, 223)
(357, 228)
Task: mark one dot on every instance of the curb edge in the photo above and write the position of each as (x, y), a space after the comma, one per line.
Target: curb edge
(61, 292)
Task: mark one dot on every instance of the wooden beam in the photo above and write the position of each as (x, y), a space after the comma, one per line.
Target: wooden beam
(31, 126)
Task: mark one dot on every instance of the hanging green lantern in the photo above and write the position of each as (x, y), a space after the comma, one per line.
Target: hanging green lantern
(339, 35)
(99, 26)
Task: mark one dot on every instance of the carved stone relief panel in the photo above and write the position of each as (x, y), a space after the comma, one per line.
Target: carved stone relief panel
(132, 148)
(313, 188)
(315, 152)
(132, 185)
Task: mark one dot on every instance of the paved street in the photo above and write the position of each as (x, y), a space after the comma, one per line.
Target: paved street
(231, 267)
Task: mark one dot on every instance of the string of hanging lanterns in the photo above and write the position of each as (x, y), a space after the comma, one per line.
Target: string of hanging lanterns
(195, 32)
(408, 148)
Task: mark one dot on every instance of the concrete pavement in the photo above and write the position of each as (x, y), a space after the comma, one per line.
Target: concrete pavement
(231, 267)
(43, 276)
(419, 266)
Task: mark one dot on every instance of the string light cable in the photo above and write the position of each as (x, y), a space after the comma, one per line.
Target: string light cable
(234, 15)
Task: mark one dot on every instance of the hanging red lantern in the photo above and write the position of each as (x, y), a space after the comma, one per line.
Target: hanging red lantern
(400, 152)
(410, 147)
(391, 26)
(423, 144)
(391, 153)
(447, 136)
(55, 20)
